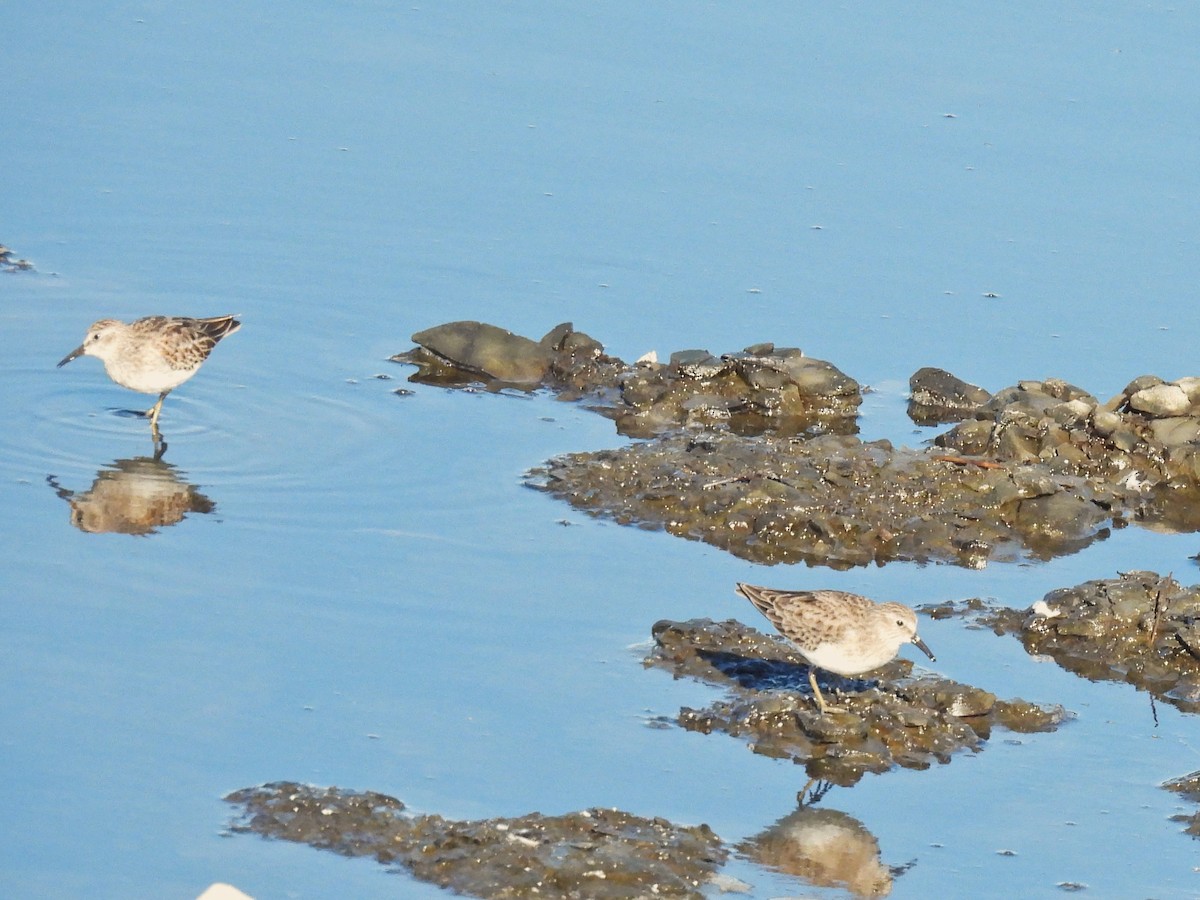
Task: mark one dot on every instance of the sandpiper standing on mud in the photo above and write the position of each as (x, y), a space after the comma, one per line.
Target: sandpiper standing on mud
(843, 633)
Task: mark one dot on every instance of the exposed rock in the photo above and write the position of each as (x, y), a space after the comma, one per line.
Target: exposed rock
(895, 720)
(492, 352)
(937, 396)
(1141, 628)
(1134, 458)
(1189, 787)
(10, 264)
(597, 853)
(1144, 443)
(1161, 400)
(759, 389)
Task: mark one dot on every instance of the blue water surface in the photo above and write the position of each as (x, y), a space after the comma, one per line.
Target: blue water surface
(375, 601)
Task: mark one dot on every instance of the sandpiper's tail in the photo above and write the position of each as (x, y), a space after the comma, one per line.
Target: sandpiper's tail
(764, 600)
(217, 327)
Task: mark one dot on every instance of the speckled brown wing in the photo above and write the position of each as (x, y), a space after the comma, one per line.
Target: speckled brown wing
(187, 342)
(807, 618)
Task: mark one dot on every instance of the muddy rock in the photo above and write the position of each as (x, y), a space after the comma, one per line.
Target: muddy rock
(1144, 443)
(936, 396)
(1139, 628)
(762, 388)
(601, 853)
(833, 500)
(1189, 787)
(893, 719)
(491, 352)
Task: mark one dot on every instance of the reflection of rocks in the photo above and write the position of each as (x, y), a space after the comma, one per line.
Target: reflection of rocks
(1140, 627)
(1189, 787)
(600, 853)
(825, 847)
(901, 721)
(761, 388)
(133, 496)
(936, 396)
(10, 263)
(831, 500)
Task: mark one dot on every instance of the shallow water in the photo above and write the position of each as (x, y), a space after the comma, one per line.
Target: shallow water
(374, 600)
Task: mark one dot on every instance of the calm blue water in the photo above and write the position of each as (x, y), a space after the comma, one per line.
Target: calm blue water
(375, 601)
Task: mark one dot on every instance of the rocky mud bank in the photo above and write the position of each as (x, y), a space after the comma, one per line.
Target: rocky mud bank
(1141, 628)
(595, 853)
(600, 853)
(754, 451)
(894, 718)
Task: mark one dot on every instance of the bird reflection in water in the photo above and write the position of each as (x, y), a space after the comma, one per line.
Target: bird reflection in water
(133, 496)
(825, 847)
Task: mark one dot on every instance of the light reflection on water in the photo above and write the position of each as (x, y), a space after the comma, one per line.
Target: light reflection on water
(374, 600)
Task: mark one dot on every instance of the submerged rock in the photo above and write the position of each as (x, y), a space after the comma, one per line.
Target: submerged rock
(596, 853)
(894, 720)
(833, 501)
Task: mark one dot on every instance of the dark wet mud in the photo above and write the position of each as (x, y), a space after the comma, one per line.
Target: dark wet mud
(1141, 628)
(754, 452)
(595, 853)
(893, 718)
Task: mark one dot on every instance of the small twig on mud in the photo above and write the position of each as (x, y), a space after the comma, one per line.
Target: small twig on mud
(1157, 612)
(1192, 651)
(742, 479)
(967, 461)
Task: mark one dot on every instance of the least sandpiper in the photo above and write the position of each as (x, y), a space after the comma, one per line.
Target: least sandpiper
(843, 633)
(153, 355)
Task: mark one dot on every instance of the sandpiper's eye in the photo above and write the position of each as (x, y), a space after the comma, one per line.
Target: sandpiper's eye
(900, 622)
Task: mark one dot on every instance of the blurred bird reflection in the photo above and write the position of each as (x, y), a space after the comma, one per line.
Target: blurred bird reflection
(825, 847)
(133, 496)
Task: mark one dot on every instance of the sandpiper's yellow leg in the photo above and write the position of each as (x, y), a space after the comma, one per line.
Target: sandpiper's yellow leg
(153, 412)
(821, 704)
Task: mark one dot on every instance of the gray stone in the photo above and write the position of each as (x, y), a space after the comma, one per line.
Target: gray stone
(1161, 400)
(487, 350)
(1175, 431)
